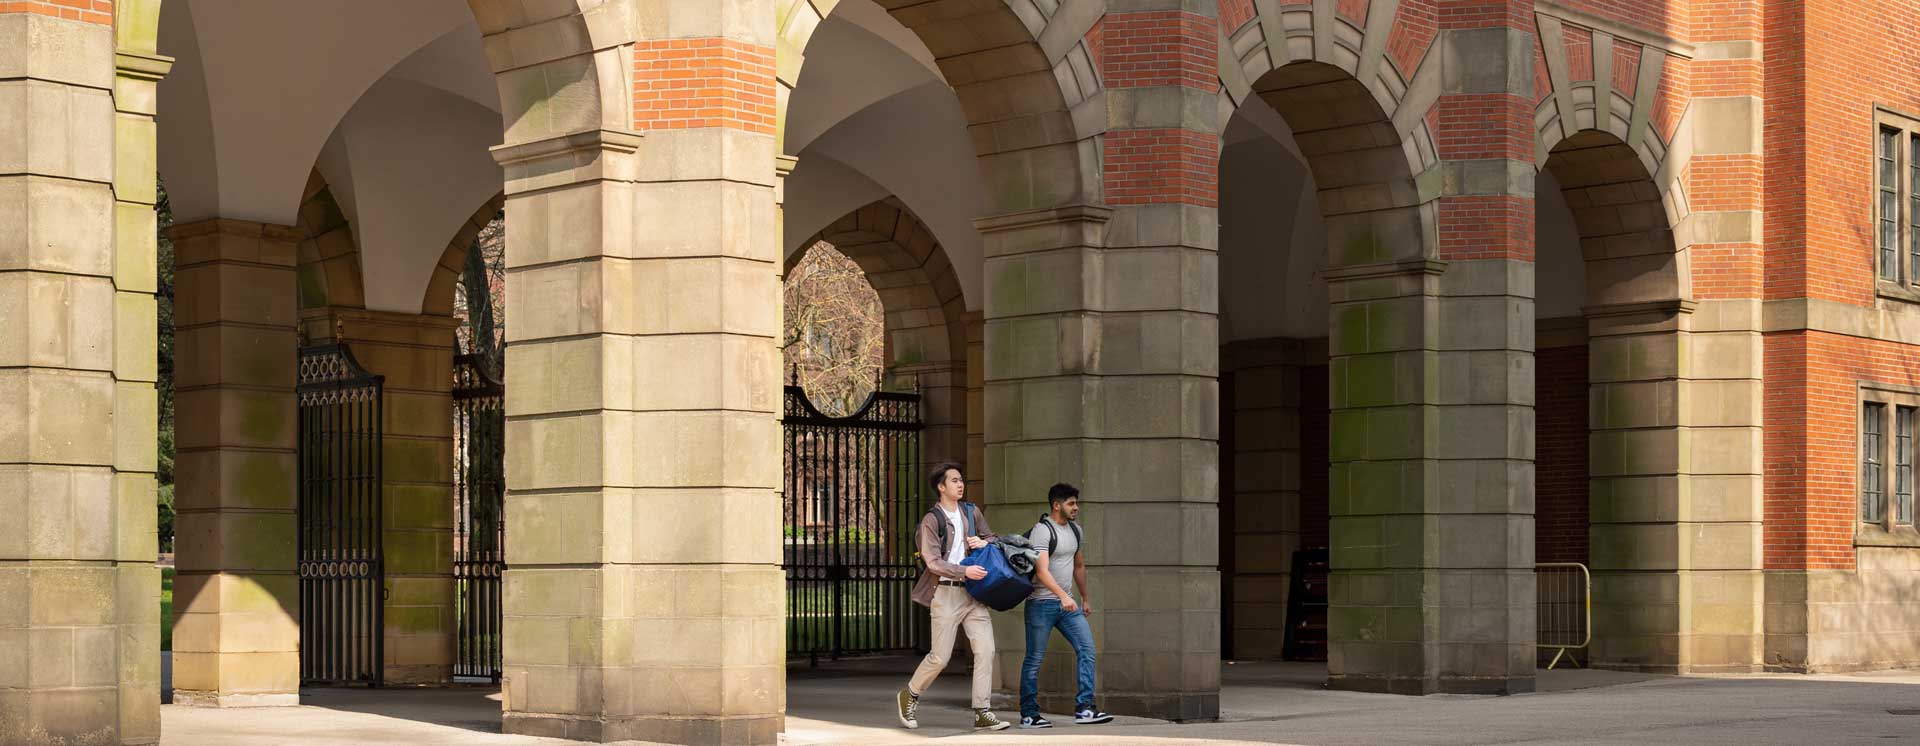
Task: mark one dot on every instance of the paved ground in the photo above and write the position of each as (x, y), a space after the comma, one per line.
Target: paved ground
(1261, 703)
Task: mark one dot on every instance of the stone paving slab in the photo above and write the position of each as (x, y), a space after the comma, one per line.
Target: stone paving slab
(848, 705)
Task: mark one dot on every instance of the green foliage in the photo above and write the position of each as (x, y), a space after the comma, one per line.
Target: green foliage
(163, 298)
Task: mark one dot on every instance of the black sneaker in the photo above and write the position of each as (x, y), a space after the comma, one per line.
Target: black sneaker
(1035, 723)
(1091, 717)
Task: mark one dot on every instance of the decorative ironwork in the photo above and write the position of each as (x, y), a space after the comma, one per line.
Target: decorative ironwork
(853, 504)
(479, 548)
(342, 564)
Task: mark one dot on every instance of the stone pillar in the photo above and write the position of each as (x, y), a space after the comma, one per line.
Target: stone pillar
(1266, 489)
(1676, 485)
(976, 452)
(1431, 478)
(1100, 371)
(138, 70)
(415, 355)
(236, 635)
(645, 595)
(79, 622)
(1431, 374)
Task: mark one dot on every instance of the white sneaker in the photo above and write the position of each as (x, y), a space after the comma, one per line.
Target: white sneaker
(1091, 717)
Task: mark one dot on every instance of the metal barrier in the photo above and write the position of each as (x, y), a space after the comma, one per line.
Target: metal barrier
(1564, 605)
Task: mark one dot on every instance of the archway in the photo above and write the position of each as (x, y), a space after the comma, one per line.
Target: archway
(1427, 375)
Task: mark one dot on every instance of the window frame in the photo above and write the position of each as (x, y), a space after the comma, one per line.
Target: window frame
(1892, 400)
(1905, 283)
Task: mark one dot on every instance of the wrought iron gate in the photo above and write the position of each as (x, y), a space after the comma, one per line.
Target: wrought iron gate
(853, 501)
(479, 554)
(341, 562)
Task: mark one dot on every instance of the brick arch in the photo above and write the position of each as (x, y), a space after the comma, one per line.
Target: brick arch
(1382, 45)
(1350, 79)
(1021, 69)
(453, 261)
(1636, 90)
(926, 321)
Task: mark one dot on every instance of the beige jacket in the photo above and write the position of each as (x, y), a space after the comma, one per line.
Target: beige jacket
(934, 552)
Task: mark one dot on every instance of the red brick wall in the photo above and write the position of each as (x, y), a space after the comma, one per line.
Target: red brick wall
(1664, 17)
(1560, 454)
(1812, 431)
(1159, 49)
(1827, 65)
(1821, 90)
(1315, 422)
(90, 11)
(688, 83)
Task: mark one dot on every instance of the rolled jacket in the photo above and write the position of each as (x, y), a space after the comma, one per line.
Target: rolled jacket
(1021, 556)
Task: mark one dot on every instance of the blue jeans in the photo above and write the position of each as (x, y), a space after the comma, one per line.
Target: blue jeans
(1043, 617)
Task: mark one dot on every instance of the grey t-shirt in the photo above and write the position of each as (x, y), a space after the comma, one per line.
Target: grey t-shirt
(1060, 562)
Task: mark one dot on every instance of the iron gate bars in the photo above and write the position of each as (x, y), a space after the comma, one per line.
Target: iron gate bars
(479, 546)
(341, 568)
(852, 507)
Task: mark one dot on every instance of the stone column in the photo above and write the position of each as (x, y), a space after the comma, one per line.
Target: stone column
(415, 355)
(1431, 478)
(645, 595)
(1266, 489)
(1675, 488)
(139, 68)
(236, 635)
(976, 452)
(1100, 371)
(79, 623)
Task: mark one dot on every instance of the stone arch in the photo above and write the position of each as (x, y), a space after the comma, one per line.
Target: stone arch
(1360, 111)
(329, 257)
(453, 261)
(1626, 231)
(562, 67)
(1382, 56)
(926, 315)
(1025, 77)
(1633, 87)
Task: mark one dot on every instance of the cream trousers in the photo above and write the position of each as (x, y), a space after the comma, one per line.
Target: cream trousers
(953, 609)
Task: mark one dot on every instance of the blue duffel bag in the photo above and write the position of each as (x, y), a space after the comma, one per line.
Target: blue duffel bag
(1002, 588)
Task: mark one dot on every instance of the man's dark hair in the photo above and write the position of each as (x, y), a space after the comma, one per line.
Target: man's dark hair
(940, 475)
(1060, 493)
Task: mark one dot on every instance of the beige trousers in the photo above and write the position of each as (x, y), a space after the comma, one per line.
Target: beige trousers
(953, 609)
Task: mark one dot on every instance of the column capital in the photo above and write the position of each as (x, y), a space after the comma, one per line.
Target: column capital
(566, 159)
(1082, 213)
(151, 67)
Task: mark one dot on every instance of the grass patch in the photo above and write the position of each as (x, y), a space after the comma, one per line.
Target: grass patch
(166, 609)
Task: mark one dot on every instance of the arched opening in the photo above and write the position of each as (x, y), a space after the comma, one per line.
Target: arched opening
(873, 346)
(1315, 182)
(1616, 482)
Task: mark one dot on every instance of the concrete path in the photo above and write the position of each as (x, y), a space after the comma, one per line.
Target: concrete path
(848, 705)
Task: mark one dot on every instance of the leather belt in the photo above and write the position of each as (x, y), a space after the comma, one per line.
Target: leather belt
(954, 583)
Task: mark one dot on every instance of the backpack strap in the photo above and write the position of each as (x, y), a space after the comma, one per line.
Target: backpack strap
(1053, 534)
(1077, 542)
(940, 523)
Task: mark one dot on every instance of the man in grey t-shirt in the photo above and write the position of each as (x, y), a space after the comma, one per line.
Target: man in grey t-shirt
(1061, 569)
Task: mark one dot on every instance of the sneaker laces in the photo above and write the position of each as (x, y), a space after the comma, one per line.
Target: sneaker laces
(913, 705)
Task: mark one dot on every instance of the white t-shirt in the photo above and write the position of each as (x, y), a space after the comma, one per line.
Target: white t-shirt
(957, 530)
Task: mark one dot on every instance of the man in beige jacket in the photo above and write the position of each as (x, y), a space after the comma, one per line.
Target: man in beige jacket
(947, 532)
